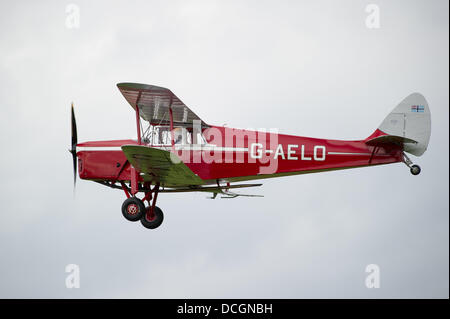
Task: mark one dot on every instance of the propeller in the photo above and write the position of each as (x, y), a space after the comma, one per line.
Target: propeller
(73, 149)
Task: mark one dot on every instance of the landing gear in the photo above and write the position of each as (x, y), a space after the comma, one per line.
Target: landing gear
(133, 209)
(152, 221)
(414, 169)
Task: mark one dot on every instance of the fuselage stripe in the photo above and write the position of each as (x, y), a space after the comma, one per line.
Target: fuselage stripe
(169, 148)
(345, 153)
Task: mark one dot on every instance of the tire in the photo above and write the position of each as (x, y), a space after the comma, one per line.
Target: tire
(156, 222)
(133, 209)
(415, 169)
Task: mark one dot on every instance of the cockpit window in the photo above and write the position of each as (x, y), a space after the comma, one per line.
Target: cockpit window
(161, 135)
(178, 135)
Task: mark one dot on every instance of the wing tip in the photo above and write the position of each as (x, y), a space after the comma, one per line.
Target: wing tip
(139, 86)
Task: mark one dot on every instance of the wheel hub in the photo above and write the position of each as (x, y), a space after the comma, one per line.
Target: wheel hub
(149, 216)
(132, 209)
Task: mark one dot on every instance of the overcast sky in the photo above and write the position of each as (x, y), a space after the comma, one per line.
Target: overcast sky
(310, 68)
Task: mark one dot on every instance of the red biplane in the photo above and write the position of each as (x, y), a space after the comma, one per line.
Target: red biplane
(176, 151)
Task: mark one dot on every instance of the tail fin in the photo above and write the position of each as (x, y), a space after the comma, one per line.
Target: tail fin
(409, 125)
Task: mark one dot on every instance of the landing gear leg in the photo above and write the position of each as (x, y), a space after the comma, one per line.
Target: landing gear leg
(153, 216)
(414, 169)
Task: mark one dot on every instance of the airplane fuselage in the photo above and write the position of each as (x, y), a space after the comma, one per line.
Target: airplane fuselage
(239, 155)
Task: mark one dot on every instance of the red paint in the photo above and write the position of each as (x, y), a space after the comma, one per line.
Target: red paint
(101, 165)
(150, 215)
(127, 194)
(375, 134)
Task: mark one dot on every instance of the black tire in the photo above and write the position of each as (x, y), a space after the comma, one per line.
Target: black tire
(156, 222)
(415, 169)
(133, 209)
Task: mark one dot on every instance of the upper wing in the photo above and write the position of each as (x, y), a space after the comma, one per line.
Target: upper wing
(154, 102)
(160, 166)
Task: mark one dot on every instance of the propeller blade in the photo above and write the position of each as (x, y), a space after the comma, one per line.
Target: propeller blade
(74, 131)
(73, 148)
(74, 157)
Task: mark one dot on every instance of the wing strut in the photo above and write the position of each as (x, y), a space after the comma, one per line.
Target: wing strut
(134, 172)
(172, 137)
(138, 119)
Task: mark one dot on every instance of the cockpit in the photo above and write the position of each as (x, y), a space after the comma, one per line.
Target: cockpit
(160, 135)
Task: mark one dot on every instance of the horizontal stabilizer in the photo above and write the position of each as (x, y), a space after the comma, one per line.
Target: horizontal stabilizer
(390, 139)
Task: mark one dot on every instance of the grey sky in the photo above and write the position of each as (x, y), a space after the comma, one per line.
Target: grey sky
(308, 68)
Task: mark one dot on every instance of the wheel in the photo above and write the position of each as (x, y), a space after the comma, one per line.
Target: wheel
(155, 221)
(415, 169)
(133, 209)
